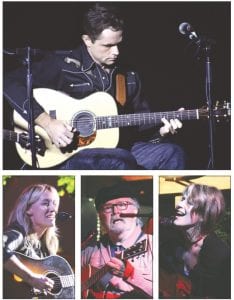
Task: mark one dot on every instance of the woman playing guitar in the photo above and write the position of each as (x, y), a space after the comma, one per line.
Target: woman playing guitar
(29, 239)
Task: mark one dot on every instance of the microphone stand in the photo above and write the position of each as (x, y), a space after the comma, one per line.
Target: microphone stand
(209, 100)
(210, 107)
(205, 44)
(27, 61)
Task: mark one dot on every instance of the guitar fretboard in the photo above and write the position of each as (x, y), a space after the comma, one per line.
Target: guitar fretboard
(155, 118)
(67, 280)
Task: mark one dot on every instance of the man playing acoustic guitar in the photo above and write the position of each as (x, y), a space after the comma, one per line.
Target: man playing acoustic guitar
(84, 71)
(120, 264)
(30, 244)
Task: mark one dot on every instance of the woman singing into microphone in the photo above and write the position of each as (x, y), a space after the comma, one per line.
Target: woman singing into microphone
(192, 254)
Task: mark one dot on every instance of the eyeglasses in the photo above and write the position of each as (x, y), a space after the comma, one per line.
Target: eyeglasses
(121, 206)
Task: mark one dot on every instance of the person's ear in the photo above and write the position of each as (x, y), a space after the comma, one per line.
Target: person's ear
(87, 40)
(29, 213)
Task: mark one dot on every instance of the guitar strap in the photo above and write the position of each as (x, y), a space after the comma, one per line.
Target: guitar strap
(120, 89)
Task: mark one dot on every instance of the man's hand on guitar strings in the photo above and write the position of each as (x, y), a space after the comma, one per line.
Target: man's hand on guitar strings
(60, 133)
(117, 267)
(170, 126)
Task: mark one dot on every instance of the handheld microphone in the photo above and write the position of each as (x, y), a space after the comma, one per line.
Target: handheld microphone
(63, 216)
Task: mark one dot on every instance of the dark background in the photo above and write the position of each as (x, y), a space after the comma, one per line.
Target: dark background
(172, 76)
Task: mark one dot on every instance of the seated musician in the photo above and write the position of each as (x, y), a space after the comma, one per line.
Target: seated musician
(192, 250)
(31, 231)
(124, 278)
(91, 68)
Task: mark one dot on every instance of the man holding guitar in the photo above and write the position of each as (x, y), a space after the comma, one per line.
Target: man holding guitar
(81, 72)
(107, 270)
(30, 244)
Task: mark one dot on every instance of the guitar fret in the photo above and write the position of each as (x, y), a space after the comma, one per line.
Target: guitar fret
(67, 280)
(144, 118)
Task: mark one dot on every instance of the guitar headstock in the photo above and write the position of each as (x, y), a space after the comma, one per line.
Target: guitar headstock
(220, 111)
(135, 250)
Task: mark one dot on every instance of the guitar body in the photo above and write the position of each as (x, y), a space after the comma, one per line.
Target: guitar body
(54, 267)
(63, 107)
(91, 275)
(86, 272)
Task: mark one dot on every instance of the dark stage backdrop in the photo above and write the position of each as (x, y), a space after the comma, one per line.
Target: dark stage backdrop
(172, 76)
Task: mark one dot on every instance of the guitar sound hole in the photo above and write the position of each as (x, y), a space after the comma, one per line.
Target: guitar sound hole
(57, 283)
(84, 122)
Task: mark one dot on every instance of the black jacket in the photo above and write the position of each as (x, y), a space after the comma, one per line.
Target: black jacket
(76, 74)
(210, 278)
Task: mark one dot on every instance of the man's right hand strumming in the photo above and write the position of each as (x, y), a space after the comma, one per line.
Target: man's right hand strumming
(60, 133)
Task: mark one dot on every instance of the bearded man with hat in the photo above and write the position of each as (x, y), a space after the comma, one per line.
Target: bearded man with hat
(122, 259)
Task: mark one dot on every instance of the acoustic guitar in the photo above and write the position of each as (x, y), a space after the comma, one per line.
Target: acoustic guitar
(91, 275)
(96, 120)
(54, 267)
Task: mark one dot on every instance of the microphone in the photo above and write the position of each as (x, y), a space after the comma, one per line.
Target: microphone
(63, 216)
(134, 215)
(167, 221)
(187, 29)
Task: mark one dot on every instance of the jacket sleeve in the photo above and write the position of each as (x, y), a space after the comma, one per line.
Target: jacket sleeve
(12, 240)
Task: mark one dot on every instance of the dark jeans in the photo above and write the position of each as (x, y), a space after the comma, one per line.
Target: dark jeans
(149, 156)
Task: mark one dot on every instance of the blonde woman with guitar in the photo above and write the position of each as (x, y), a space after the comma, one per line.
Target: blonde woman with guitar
(30, 244)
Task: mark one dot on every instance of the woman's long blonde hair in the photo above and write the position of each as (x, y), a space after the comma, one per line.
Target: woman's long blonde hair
(30, 195)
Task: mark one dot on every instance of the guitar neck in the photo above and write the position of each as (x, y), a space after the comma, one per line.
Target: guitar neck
(94, 278)
(67, 280)
(154, 118)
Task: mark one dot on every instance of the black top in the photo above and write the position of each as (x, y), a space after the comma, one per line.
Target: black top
(14, 239)
(210, 278)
